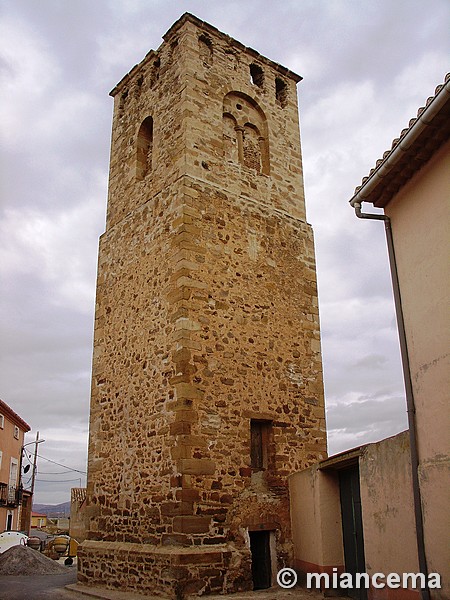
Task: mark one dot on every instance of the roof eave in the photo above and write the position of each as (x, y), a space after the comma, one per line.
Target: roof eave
(372, 186)
(14, 417)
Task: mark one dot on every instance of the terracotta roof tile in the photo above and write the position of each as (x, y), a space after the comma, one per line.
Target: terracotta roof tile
(438, 134)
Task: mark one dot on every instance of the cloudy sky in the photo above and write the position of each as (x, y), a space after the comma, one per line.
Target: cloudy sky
(367, 67)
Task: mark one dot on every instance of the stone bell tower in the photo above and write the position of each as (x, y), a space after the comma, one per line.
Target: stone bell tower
(207, 375)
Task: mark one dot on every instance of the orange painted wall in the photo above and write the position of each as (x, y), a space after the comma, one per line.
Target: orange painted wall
(10, 447)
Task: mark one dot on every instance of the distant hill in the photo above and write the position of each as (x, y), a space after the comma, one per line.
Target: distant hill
(54, 511)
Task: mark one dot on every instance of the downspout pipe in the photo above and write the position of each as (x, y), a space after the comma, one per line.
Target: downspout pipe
(424, 592)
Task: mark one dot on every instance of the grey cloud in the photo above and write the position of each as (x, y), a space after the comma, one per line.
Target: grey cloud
(365, 420)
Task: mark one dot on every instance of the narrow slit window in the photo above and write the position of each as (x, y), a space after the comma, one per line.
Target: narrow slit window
(252, 147)
(281, 91)
(122, 101)
(259, 444)
(155, 72)
(144, 149)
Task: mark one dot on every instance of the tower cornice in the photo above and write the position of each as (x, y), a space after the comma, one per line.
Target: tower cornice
(206, 27)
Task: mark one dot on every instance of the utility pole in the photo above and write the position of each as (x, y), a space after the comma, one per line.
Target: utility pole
(33, 475)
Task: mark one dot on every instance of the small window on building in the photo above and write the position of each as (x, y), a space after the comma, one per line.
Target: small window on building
(16, 432)
(122, 101)
(256, 75)
(138, 86)
(1, 457)
(154, 74)
(144, 149)
(2, 421)
(259, 444)
(252, 147)
(205, 47)
(281, 91)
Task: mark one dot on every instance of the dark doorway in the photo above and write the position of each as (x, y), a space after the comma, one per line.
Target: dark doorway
(9, 519)
(352, 528)
(261, 563)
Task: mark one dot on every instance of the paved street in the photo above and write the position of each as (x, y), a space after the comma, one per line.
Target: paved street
(275, 593)
(38, 587)
(53, 587)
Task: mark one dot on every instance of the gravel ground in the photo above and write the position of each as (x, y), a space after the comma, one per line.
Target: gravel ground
(21, 560)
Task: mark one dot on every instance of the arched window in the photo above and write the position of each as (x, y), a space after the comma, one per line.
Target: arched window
(144, 149)
(245, 133)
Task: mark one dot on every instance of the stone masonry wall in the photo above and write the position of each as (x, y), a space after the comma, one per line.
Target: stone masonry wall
(206, 319)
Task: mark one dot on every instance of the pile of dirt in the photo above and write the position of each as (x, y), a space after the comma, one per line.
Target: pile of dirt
(21, 560)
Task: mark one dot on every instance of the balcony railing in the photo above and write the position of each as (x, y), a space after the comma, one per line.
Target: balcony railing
(10, 495)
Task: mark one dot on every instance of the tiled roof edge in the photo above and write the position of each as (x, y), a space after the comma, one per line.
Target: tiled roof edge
(420, 120)
(7, 411)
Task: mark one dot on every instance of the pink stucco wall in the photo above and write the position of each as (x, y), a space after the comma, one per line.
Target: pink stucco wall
(387, 509)
(420, 216)
(316, 520)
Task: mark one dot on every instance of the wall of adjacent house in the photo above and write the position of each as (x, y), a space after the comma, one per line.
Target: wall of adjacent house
(77, 528)
(387, 514)
(10, 448)
(420, 215)
(38, 521)
(316, 521)
(387, 510)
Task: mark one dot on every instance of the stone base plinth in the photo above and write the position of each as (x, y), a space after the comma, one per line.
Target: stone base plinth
(166, 571)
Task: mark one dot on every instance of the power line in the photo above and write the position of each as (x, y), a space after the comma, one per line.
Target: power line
(60, 465)
(60, 481)
(53, 473)
(27, 454)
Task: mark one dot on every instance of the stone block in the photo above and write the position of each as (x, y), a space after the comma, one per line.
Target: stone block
(196, 466)
(188, 495)
(185, 416)
(187, 390)
(199, 558)
(171, 509)
(176, 539)
(180, 428)
(188, 282)
(191, 524)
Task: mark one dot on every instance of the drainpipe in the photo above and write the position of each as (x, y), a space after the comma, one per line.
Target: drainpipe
(424, 593)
